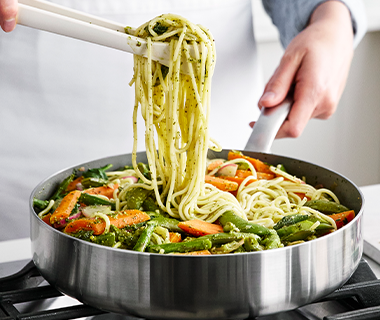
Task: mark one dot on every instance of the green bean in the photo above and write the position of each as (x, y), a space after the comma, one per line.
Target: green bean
(221, 238)
(168, 223)
(289, 220)
(107, 239)
(145, 236)
(251, 244)
(144, 169)
(295, 232)
(136, 197)
(181, 247)
(271, 241)
(326, 207)
(150, 204)
(61, 190)
(243, 225)
(92, 200)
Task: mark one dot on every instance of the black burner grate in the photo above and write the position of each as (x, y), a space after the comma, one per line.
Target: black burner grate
(360, 296)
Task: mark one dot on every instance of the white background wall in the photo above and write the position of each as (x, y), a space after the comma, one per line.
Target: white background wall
(349, 142)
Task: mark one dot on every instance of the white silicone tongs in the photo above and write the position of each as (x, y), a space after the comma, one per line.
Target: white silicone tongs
(267, 125)
(64, 21)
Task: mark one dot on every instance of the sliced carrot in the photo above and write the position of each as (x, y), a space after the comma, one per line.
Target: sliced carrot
(175, 237)
(65, 207)
(342, 218)
(103, 190)
(128, 218)
(265, 176)
(221, 184)
(243, 173)
(195, 253)
(73, 184)
(259, 165)
(237, 179)
(91, 224)
(46, 219)
(200, 228)
(98, 225)
(214, 164)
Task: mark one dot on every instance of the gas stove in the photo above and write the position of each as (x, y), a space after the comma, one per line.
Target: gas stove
(25, 295)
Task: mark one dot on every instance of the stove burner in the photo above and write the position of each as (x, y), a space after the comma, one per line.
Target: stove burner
(359, 297)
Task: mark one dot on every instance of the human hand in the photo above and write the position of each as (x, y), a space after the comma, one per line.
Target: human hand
(8, 13)
(317, 63)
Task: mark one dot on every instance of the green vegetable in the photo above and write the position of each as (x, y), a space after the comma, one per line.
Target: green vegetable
(91, 200)
(150, 204)
(272, 241)
(144, 169)
(168, 223)
(252, 244)
(160, 28)
(40, 204)
(128, 237)
(107, 239)
(228, 247)
(95, 177)
(145, 236)
(326, 207)
(135, 197)
(289, 220)
(295, 232)
(181, 247)
(222, 238)
(241, 224)
(61, 190)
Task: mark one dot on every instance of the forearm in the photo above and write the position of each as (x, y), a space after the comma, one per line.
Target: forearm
(334, 14)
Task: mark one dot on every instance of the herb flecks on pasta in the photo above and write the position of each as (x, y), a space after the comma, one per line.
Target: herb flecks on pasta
(176, 107)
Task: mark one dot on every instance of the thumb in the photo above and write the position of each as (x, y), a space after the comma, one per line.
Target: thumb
(8, 13)
(281, 81)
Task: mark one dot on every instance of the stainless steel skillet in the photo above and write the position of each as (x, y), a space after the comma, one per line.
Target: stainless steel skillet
(233, 286)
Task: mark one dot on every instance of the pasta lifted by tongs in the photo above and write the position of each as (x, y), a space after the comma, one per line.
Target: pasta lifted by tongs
(64, 21)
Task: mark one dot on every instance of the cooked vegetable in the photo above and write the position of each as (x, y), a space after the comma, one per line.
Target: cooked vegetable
(289, 220)
(175, 237)
(73, 184)
(136, 220)
(65, 207)
(200, 228)
(326, 207)
(106, 190)
(342, 218)
(61, 190)
(258, 164)
(184, 246)
(168, 223)
(95, 177)
(221, 184)
(145, 236)
(241, 224)
(92, 200)
(136, 197)
(297, 231)
(98, 225)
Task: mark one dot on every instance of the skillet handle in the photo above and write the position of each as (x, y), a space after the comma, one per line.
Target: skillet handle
(267, 125)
